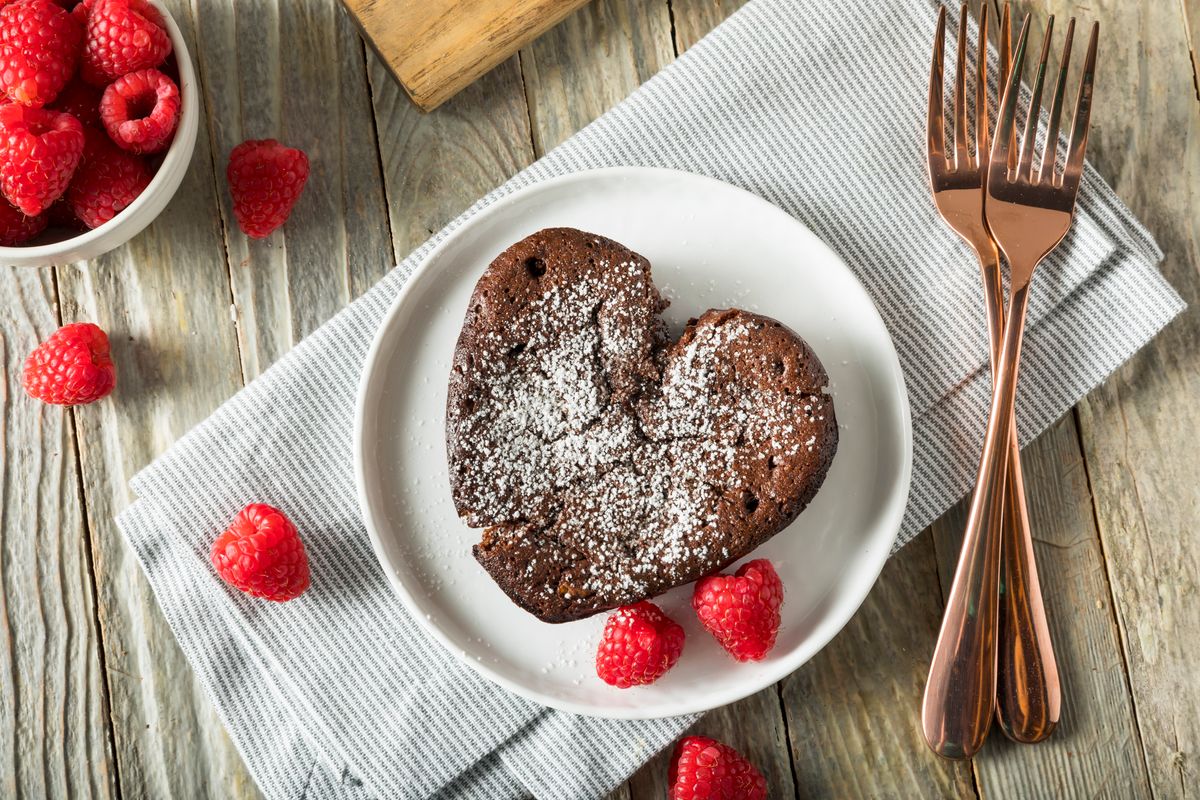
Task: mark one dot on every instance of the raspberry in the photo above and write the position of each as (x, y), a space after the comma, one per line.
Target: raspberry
(82, 101)
(39, 151)
(742, 610)
(67, 4)
(140, 111)
(39, 48)
(70, 368)
(261, 554)
(705, 769)
(265, 179)
(640, 643)
(16, 227)
(122, 36)
(108, 180)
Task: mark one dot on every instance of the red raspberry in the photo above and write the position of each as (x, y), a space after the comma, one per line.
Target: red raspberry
(82, 101)
(39, 48)
(39, 151)
(741, 610)
(108, 180)
(67, 4)
(705, 769)
(122, 36)
(261, 554)
(265, 179)
(640, 643)
(140, 111)
(70, 368)
(16, 227)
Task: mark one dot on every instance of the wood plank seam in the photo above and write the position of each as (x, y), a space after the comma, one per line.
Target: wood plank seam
(375, 134)
(1112, 596)
(202, 82)
(783, 715)
(1191, 45)
(533, 146)
(675, 49)
(90, 562)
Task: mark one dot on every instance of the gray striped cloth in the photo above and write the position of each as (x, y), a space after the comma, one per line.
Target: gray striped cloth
(817, 107)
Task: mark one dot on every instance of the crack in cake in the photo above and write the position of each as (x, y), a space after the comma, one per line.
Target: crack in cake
(605, 463)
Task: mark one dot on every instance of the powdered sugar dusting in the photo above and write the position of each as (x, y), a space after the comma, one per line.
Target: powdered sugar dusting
(614, 466)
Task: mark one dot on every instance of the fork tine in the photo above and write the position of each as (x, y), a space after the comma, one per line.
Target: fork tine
(1035, 106)
(1083, 113)
(960, 94)
(1005, 69)
(1003, 143)
(981, 88)
(1056, 105)
(934, 123)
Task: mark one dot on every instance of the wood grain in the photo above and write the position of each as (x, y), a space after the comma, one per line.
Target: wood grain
(1095, 750)
(695, 18)
(590, 62)
(436, 48)
(1139, 429)
(1191, 19)
(165, 301)
(436, 165)
(1131, 557)
(54, 729)
(269, 70)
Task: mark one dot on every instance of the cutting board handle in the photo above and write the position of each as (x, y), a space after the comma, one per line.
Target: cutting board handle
(436, 48)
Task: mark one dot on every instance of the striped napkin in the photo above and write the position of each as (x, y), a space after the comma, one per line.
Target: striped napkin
(817, 107)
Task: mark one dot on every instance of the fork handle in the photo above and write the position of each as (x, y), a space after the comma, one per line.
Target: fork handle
(1028, 695)
(960, 693)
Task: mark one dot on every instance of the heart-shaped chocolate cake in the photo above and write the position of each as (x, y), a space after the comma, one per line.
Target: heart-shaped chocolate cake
(605, 463)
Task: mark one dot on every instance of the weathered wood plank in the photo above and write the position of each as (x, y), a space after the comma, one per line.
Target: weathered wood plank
(1191, 17)
(590, 62)
(436, 165)
(1139, 429)
(54, 728)
(620, 793)
(164, 299)
(853, 711)
(1095, 751)
(295, 71)
(695, 18)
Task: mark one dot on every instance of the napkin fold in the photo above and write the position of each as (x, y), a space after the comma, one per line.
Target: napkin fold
(817, 107)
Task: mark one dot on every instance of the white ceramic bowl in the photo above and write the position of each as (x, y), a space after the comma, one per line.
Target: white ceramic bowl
(150, 203)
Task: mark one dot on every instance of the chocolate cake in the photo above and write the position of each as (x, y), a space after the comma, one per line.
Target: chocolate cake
(605, 463)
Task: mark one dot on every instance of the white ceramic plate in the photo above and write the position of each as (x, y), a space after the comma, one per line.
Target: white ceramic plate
(710, 245)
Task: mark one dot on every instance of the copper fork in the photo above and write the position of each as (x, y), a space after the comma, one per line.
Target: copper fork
(969, 664)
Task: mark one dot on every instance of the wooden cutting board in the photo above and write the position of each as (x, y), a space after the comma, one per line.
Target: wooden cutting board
(435, 48)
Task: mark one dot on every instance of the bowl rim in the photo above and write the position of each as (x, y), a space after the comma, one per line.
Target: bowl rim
(181, 149)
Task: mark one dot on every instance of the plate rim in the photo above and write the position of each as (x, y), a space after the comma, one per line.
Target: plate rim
(895, 508)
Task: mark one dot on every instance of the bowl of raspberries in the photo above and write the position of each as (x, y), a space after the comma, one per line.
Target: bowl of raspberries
(98, 118)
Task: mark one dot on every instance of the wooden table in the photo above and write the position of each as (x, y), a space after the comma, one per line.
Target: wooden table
(96, 698)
